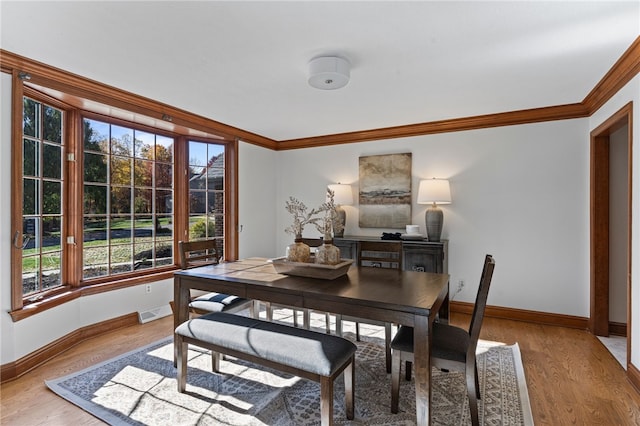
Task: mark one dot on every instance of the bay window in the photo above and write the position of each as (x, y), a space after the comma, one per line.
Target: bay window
(102, 202)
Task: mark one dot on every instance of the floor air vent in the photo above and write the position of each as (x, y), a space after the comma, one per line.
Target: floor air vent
(153, 314)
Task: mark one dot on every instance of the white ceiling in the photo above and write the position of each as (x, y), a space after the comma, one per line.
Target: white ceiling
(244, 63)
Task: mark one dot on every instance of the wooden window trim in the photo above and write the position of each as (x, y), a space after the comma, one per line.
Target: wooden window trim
(230, 197)
(16, 188)
(68, 293)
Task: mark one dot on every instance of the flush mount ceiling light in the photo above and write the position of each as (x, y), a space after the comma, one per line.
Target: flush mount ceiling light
(328, 72)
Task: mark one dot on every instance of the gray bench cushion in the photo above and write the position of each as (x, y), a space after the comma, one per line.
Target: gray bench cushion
(303, 349)
(216, 302)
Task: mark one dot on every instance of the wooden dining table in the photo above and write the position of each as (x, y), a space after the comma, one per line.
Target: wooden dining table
(401, 297)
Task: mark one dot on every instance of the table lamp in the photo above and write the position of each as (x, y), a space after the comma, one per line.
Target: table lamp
(434, 191)
(343, 196)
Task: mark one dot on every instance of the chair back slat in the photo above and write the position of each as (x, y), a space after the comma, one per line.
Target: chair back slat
(198, 253)
(481, 302)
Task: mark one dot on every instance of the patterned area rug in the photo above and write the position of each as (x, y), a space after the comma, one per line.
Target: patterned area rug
(139, 388)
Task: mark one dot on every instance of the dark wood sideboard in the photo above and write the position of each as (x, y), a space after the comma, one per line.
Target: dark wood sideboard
(416, 255)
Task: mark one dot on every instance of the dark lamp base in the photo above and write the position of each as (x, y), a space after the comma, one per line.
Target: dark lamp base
(434, 218)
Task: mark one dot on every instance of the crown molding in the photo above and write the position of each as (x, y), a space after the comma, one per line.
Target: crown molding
(626, 68)
(78, 87)
(620, 74)
(561, 112)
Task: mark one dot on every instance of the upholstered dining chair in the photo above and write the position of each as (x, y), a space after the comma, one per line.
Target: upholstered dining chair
(452, 348)
(377, 254)
(306, 313)
(202, 253)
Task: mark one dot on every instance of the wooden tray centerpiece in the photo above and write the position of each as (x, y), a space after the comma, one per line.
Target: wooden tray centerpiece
(311, 269)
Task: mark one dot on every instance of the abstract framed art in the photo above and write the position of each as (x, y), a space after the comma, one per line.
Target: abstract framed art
(385, 191)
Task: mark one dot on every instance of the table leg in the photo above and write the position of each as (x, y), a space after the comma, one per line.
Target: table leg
(443, 313)
(306, 318)
(422, 368)
(181, 296)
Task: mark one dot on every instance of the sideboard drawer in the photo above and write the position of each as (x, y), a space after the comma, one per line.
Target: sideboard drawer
(423, 258)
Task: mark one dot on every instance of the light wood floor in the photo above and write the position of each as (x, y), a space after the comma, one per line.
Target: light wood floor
(571, 377)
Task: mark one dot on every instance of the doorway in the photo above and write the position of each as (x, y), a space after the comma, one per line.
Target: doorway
(611, 196)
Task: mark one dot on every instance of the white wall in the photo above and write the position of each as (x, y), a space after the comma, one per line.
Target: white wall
(256, 217)
(519, 192)
(41, 329)
(7, 341)
(629, 93)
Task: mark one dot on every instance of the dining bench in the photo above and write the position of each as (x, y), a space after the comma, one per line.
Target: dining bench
(301, 352)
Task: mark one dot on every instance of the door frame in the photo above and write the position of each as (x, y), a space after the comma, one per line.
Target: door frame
(599, 221)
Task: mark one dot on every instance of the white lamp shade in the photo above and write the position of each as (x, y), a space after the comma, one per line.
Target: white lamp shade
(343, 195)
(329, 72)
(434, 191)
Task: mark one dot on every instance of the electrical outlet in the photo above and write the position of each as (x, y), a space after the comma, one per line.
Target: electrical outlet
(460, 286)
(147, 288)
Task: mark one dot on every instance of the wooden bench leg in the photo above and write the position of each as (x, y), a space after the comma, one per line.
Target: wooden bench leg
(349, 388)
(182, 362)
(326, 401)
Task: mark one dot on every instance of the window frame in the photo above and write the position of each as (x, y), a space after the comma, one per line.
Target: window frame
(207, 191)
(79, 155)
(70, 99)
(17, 193)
